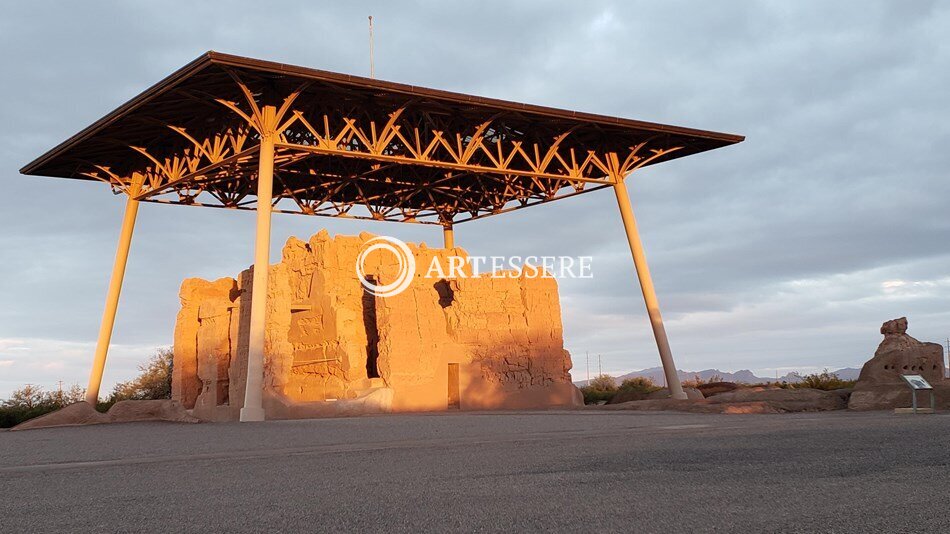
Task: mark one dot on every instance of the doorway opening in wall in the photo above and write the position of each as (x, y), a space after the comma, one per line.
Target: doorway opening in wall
(455, 401)
(372, 332)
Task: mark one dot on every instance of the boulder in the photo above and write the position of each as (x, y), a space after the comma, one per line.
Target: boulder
(746, 401)
(80, 413)
(627, 395)
(880, 386)
(715, 388)
(786, 400)
(844, 393)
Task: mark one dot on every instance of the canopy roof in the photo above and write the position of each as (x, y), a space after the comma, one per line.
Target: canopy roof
(357, 147)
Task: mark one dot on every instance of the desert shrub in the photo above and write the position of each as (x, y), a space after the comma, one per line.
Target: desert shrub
(694, 382)
(31, 401)
(603, 383)
(10, 417)
(601, 388)
(594, 396)
(154, 382)
(634, 389)
(72, 395)
(641, 384)
(697, 381)
(824, 380)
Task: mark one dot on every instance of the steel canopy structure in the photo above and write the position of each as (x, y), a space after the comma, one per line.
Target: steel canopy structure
(232, 132)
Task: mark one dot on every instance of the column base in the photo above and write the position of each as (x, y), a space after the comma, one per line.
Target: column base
(252, 414)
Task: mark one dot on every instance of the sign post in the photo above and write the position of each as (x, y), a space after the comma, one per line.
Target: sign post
(918, 383)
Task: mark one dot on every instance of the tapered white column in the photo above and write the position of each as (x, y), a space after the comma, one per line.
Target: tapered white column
(646, 286)
(115, 289)
(448, 235)
(253, 409)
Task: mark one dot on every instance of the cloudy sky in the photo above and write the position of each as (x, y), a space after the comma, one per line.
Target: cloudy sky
(784, 252)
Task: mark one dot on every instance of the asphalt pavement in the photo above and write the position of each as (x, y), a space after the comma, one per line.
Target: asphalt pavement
(518, 471)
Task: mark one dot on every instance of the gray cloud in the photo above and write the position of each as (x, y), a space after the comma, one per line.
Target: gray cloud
(784, 251)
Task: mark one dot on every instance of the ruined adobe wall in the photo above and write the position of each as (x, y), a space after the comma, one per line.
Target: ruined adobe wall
(203, 346)
(331, 327)
(504, 333)
(327, 339)
(512, 327)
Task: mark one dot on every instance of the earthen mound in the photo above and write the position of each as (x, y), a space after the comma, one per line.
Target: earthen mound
(80, 413)
(149, 410)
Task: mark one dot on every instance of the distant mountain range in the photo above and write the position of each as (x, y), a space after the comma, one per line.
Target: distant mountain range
(743, 376)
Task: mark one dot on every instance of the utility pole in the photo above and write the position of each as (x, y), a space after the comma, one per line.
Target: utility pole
(588, 366)
(600, 366)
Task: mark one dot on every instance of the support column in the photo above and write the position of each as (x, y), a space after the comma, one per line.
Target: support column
(253, 409)
(448, 235)
(646, 285)
(115, 289)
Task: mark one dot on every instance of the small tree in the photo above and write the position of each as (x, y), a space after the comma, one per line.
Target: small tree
(65, 397)
(154, 382)
(27, 398)
(603, 383)
(31, 401)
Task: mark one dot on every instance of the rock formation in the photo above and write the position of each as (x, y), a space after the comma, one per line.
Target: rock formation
(880, 385)
(483, 342)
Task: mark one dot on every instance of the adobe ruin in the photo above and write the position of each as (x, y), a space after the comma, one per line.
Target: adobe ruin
(229, 129)
(880, 386)
(331, 348)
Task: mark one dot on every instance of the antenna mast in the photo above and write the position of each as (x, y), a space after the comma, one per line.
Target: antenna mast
(372, 73)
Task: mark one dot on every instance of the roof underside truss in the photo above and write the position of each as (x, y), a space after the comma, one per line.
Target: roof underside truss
(345, 151)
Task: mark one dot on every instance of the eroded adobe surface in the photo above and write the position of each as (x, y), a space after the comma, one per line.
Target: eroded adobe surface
(332, 348)
(880, 385)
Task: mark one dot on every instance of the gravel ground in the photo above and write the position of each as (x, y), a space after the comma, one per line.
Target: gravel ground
(581, 470)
